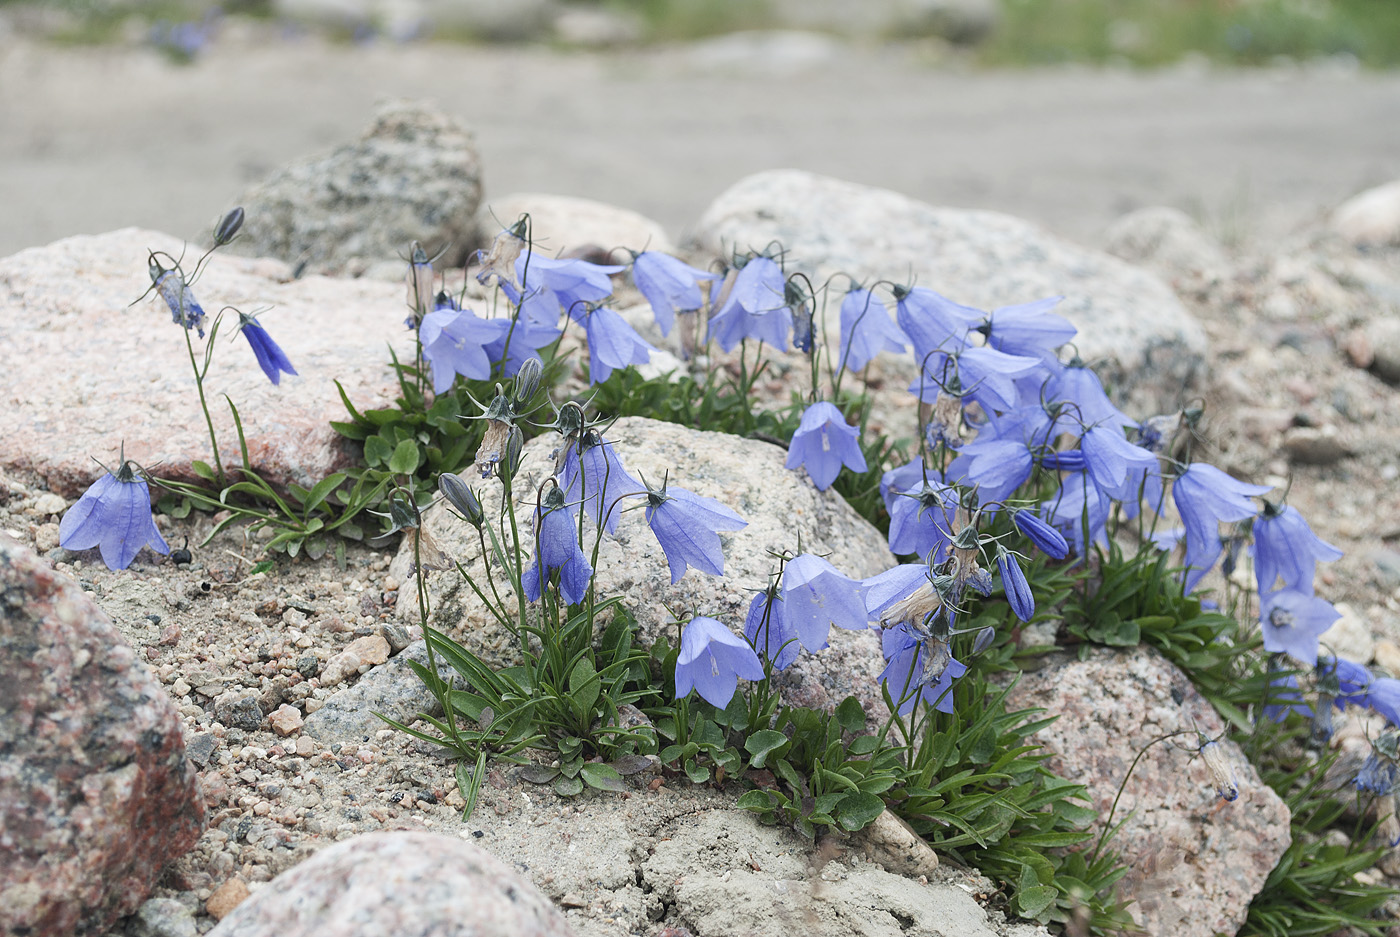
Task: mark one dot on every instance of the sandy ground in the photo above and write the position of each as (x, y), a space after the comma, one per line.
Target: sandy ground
(93, 139)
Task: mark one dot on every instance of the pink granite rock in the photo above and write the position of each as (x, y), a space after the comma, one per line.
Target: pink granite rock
(397, 883)
(96, 795)
(83, 373)
(1195, 861)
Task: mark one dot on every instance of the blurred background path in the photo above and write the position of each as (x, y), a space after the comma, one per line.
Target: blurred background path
(99, 137)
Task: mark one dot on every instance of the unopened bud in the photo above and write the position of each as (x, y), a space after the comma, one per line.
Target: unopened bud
(460, 496)
(228, 226)
(527, 380)
(515, 445)
(984, 640)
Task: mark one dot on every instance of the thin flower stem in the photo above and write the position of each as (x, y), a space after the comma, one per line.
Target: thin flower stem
(1108, 823)
(204, 405)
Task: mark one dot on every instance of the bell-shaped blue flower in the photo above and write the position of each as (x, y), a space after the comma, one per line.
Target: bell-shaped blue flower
(866, 330)
(892, 586)
(1067, 511)
(1082, 391)
(1205, 497)
(594, 477)
(114, 514)
(768, 631)
(1285, 547)
(1013, 582)
(170, 283)
(756, 307)
(711, 661)
(982, 374)
(687, 527)
(271, 358)
(574, 283)
(997, 467)
(1030, 329)
(612, 343)
(1292, 621)
(823, 442)
(906, 669)
(455, 342)
(557, 548)
(670, 285)
(934, 324)
(921, 520)
(816, 595)
(1115, 466)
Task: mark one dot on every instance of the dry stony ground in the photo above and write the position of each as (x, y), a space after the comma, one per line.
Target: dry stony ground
(210, 626)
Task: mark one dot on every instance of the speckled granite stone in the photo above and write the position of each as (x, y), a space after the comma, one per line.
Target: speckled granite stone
(95, 792)
(1142, 341)
(397, 884)
(83, 373)
(1195, 861)
(745, 474)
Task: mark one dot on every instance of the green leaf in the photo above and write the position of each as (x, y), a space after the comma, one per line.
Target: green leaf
(758, 800)
(405, 458)
(568, 787)
(320, 490)
(377, 451)
(204, 470)
(857, 811)
(851, 715)
(603, 778)
(763, 743)
(1032, 902)
(697, 773)
(584, 687)
(261, 566)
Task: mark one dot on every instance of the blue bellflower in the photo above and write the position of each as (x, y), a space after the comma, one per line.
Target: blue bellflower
(1030, 329)
(670, 285)
(1205, 497)
(574, 283)
(170, 284)
(1067, 512)
(756, 307)
(934, 324)
(271, 358)
(114, 514)
(768, 631)
(454, 342)
(1117, 467)
(921, 520)
(593, 476)
(557, 548)
(985, 375)
(1078, 386)
(823, 442)
(687, 527)
(906, 653)
(1292, 621)
(816, 595)
(866, 330)
(996, 466)
(612, 343)
(894, 585)
(711, 661)
(1285, 546)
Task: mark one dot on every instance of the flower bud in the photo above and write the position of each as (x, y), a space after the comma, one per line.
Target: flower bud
(228, 226)
(984, 640)
(527, 380)
(461, 497)
(515, 445)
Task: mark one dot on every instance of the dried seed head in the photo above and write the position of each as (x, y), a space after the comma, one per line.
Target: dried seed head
(493, 446)
(1222, 774)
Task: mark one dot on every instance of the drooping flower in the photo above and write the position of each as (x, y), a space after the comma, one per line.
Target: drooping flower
(1076, 504)
(823, 442)
(921, 520)
(687, 527)
(756, 307)
(669, 284)
(455, 341)
(1380, 773)
(271, 358)
(593, 476)
(1080, 388)
(1285, 546)
(1222, 773)
(1115, 466)
(1013, 582)
(894, 585)
(612, 343)
(534, 326)
(768, 631)
(982, 374)
(866, 330)
(1205, 497)
(934, 324)
(996, 466)
(1029, 329)
(170, 283)
(907, 655)
(114, 514)
(1292, 621)
(557, 548)
(574, 283)
(816, 595)
(711, 661)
